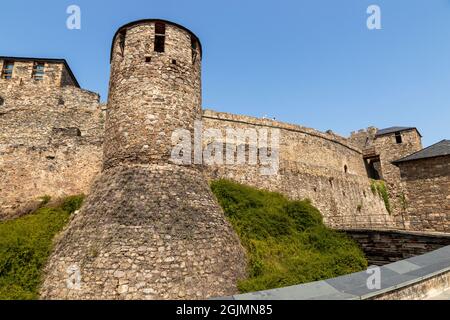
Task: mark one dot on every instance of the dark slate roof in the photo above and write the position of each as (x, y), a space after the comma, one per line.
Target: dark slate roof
(390, 130)
(63, 61)
(439, 149)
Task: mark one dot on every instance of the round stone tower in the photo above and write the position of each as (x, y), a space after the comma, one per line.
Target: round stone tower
(150, 229)
(155, 88)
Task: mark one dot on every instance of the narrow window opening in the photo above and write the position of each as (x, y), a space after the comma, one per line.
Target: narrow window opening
(398, 138)
(174, 61)
(2, 101)
(38, 71)
(148, 59)
(160, 28)
(194, 49)
(345, 169)
(122, 37)
(7, 71)
(160, 37)
(159, 43)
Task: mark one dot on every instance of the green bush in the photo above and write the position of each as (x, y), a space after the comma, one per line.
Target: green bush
(72, 203)
(286, 241)
(25, 244)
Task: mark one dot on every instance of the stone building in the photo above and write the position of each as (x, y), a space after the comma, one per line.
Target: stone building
(425, 177)
(151, 228)
(51, 133)
(380, 148)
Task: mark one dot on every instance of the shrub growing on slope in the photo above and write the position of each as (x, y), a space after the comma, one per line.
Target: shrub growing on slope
(286, 241)
(25, 244)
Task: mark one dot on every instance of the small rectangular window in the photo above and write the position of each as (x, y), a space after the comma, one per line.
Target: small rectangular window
(160, 37)
(159, 43)
(160, 29)
(398, 137)
(8, 67)
(38, 71)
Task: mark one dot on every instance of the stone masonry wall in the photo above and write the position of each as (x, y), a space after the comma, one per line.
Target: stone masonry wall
(390, 151)
(152, 93)
(386, 246)
(426, 184)
(50, 143)
(363, 138)
(422, 290)
(311, 166)
(147, 232)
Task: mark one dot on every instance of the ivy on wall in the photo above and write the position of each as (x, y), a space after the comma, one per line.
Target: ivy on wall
(379, 187)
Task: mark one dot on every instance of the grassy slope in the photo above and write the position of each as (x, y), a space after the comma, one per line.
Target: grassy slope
(286, 241)
(25, 244)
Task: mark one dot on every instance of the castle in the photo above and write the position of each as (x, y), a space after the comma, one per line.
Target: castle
(151, 228)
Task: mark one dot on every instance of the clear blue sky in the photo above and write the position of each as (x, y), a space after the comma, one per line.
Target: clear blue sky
(311, 62)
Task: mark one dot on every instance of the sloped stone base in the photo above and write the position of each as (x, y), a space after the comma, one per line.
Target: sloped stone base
(146, 232)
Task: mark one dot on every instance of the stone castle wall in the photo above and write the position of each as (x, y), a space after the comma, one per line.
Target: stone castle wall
(60, 162)
(313, 165)
(426, 185)
(50, 143)
(386, 246)
(390, 151)
(52, 138)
